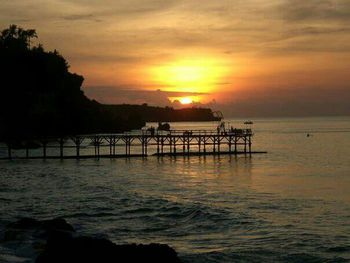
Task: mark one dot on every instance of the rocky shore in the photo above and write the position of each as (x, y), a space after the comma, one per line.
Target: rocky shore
(56, 241)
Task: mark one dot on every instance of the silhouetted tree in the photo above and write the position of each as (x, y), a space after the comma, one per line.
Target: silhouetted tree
(40, 97)
(16, 38)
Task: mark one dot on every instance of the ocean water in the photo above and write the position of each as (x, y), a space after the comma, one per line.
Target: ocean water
(289, 205)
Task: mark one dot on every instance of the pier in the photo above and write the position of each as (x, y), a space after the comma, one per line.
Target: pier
(135, 144)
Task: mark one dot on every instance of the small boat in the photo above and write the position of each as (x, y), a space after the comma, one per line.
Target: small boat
(163, 126)
(248, 123)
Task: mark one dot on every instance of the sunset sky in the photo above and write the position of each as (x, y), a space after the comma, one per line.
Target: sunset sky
(245, 57)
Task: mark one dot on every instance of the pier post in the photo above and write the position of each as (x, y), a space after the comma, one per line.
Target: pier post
(235, 144)
(183, 144)
(78, 149)
(199, 143)
(188, 144)
(245, 144)
(230, 144)
(157, 140)
(27, 151)
(162, 145)
(44, 143)
(77, 140)
(250, 144)
(95, 146)
(9, 151)
(146, 146)
(114, 143)
(129, 146)
(98, 147)
(214, 142)
(126, 145)
(110, 145)
(61, 147)
(219, 140)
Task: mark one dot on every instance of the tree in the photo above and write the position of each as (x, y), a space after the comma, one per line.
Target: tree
(40, 97)
(16, 38)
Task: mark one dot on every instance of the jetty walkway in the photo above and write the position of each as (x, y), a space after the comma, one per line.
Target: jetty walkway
(135, 144)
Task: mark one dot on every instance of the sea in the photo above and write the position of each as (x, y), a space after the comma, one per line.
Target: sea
(291, 204)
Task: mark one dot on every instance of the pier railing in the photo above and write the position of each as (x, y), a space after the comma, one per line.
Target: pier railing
(198, 132)
(137, 143)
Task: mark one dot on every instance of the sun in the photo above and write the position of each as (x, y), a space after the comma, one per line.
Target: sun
(196, 75)
(185, 100)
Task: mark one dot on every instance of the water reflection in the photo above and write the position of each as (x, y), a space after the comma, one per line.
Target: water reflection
(294, 201)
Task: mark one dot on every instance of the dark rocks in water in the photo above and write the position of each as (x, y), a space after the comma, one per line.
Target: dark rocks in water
(55, 241)
(42, 229)
(52, 224)
(24, 223)
(63, 248)
(26, 238)
(57, 224)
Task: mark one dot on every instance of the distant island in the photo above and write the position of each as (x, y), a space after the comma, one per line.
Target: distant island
(159, 114)
(41, 97)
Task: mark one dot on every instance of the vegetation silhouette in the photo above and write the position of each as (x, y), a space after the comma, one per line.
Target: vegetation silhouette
(40, 97)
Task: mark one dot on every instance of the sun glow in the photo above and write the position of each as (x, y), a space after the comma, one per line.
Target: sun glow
(185, 100)
(191, 75)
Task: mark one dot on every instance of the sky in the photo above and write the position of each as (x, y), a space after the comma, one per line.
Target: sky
(243, 57)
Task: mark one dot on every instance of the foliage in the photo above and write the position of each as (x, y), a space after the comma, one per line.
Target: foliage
(40, 97)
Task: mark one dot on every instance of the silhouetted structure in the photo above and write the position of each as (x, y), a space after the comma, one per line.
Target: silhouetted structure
(141, 144)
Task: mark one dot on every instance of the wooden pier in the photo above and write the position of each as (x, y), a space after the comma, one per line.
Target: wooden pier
(139, 144)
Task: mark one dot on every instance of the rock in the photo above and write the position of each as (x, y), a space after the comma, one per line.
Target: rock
(20, 229)
(24, 223)
(57, 224)
(87, 249)
(33, 227)
(54, 241)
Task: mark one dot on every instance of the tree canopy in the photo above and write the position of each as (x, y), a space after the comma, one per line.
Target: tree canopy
(16, 38)
(40, 97)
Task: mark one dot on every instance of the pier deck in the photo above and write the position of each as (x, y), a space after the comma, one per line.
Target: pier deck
(136, 144)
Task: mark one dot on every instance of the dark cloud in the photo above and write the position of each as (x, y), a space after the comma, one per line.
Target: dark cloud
(108, 58)
(78, 17)
(126, 8)
(301, 10)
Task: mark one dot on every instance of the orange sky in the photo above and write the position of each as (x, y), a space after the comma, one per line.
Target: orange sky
(225, 53)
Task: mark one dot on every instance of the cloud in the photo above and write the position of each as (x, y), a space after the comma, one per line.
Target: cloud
(119, 95)
(300, 10)
(77, 17)
(299, 101)
(122, 8)
(271, 43)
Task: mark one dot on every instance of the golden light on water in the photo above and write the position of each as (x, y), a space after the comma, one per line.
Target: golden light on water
(198, 75)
